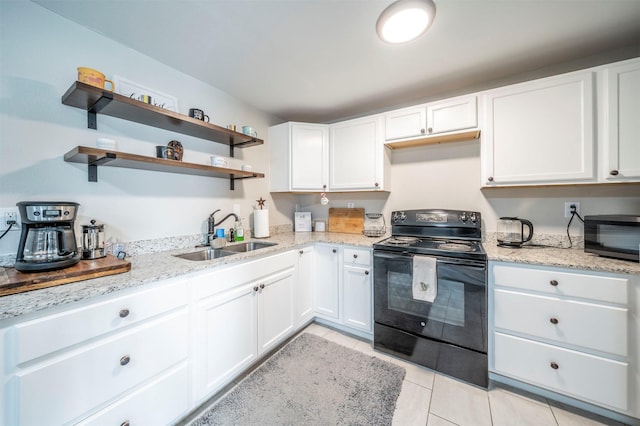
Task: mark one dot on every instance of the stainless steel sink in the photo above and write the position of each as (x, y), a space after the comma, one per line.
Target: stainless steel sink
(208, 254)
(248, 246)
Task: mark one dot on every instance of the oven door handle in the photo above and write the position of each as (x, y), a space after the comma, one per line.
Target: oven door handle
(394, 255)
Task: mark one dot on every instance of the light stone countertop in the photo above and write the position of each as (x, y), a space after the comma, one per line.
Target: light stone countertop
(153, 267)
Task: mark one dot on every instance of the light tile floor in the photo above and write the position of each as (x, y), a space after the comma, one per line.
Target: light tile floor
(428, 398)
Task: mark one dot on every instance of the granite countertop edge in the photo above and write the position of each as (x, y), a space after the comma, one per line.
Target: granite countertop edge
(150, 268)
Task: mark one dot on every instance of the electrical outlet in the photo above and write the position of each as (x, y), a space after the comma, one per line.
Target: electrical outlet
(567, 207)
(350, 205)
(9, 215)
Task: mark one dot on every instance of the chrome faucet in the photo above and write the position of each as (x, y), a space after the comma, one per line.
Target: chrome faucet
(211, 223)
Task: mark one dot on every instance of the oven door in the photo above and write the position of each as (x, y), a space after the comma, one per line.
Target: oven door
(457, 316)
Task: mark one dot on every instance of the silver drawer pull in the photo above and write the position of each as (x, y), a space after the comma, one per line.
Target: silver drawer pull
(125, 360)
(125, 423)
(256, 288)
(355, 256)
(261, 286)
(554, 283)
(553, 320)
(554, 365)
(124, 313)
(366, 272)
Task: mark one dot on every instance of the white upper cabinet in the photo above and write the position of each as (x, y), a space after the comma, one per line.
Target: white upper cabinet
(299, 157)
(357, 155)
(540, 132)
(452, 114)
(346, 156)
(448, 115)
(621, 138)
(406, 123)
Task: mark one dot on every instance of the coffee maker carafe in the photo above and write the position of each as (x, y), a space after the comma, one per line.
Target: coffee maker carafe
(47, 241)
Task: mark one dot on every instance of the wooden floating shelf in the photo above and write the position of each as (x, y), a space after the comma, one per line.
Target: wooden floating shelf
(95, 157)
(434, 139)
(97, 101)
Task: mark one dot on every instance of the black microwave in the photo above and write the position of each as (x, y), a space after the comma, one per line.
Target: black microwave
(616, 236)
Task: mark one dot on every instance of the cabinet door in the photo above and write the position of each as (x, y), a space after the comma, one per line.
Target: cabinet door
(452, 114)
(309, 157)
(405, 123)
(622, 122)
(540, 132)
(327, 281)
(227, 335)
(275, 309)
(357, 298)
(356, 160)
(304, 286)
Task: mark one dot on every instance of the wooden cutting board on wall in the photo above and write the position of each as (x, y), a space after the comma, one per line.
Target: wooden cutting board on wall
(350, 221)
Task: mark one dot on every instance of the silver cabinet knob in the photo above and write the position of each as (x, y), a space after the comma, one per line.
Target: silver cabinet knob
(430, 129)
(614, 173)
(125, 360)
(125, 423)
(301, 252)
(366, 272)
(554, 365)
(490, 178)
(334, 250)
(377, 184)
(355, 256)
(554, 283)
(553, 320)
(124, 313)
(423, 130)
(256, 288)
(261, 286)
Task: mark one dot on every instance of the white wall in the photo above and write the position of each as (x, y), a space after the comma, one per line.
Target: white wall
(40, 52)
(448, 176)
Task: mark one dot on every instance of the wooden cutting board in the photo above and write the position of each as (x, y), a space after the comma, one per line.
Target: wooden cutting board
(350, 221)
(13, 281)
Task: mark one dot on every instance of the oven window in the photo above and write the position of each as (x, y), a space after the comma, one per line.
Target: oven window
(448, 306)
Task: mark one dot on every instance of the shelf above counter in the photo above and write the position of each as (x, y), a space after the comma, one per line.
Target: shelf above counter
(465, 135)
(95, 157)
(97, 101)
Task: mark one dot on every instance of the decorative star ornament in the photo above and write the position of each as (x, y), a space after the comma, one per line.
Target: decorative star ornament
(261, 203)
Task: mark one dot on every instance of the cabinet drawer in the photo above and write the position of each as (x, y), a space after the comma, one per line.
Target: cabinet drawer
(598, 380)
(598, 327)
(599, 288)
(358, 257)
(77, 325)
(59, 390)
(159, 403)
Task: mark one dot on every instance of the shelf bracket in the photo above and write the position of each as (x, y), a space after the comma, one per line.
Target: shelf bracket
(93, 165)
(232, 180)
(92, 119)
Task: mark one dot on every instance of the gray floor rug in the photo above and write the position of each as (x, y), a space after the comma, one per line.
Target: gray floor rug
(312, 381)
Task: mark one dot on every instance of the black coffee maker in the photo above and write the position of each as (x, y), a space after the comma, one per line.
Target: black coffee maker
(47, 241)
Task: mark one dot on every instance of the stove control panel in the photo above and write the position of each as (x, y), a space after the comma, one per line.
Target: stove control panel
(436, 218)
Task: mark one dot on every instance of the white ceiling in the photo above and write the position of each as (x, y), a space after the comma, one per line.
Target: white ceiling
(320, 60)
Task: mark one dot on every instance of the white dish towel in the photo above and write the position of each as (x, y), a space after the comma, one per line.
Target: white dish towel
(425, 280)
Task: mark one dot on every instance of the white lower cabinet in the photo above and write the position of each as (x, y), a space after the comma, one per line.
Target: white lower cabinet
(304, 286)
(356, 289)
(241, 312)
(343, 288)
(570, 332)
(327, 281)
(64, 383)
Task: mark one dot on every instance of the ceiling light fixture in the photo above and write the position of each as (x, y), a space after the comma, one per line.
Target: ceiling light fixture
(405, 20)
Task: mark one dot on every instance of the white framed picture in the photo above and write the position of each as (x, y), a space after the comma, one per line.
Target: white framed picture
(141, 93)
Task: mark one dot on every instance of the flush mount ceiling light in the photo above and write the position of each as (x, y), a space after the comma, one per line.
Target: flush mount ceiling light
(405, 20)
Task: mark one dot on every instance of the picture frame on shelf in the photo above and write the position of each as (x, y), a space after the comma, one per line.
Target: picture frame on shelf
(133, 90)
